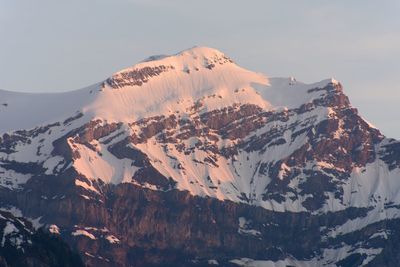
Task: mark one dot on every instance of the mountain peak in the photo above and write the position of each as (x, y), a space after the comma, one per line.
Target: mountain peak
(195, 122)
(192, 59)
(201, 51)
(194, 52)
(164, 85)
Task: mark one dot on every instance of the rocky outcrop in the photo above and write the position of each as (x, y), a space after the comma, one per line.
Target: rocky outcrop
(136, 77)
(23, 245)
(132, 226)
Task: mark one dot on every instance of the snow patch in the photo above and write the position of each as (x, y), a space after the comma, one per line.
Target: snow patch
(112, 239)
(83, 233)
(54, 229)
(245, 228)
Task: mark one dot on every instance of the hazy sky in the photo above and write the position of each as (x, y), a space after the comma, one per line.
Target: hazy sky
(49, 45)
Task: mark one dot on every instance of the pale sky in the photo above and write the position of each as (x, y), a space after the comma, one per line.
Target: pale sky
(52, 46)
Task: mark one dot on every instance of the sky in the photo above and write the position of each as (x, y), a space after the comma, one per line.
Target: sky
(53, 46)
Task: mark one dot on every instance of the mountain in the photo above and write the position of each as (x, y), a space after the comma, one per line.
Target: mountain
(23, 245)
(191, 160)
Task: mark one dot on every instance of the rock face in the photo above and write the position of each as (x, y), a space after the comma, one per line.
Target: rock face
(190, 160)
(23, 245)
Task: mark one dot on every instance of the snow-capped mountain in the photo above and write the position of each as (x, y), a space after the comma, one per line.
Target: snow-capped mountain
(192, 160)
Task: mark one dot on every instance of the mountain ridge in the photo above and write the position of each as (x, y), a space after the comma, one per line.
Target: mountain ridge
(132, 162)
(180, 62)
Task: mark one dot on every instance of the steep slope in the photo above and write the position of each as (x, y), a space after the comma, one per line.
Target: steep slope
(124, 166)
(23, 245)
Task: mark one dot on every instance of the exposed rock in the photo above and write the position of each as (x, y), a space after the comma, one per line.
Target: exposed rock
(22, 245)
(136, 77)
